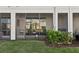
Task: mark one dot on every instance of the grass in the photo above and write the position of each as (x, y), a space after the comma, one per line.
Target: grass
(31, 46)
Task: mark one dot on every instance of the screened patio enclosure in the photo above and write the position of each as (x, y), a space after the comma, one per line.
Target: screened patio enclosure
(32, 25)
(5, 25)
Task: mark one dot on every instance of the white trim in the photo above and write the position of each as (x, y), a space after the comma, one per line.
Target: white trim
(55, 20)
(70, 21)
(13, 26)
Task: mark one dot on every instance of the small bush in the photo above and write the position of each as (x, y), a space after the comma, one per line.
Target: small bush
(59, 37)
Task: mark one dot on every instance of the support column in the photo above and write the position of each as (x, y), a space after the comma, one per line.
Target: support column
(70, 22)
(13, 26)
(55, 20)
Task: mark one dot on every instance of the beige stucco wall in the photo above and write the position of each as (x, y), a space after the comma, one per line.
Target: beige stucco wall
(76, 22)
(22, 24)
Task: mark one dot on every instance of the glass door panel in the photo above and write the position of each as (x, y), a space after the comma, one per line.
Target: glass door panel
(35, 26)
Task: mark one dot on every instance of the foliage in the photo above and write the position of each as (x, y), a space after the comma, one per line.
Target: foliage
(59, 37)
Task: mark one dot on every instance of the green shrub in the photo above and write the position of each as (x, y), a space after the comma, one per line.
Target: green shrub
(59, 37)
(66, 36)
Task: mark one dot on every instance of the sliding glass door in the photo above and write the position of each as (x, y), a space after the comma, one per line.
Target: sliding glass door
(35, 26)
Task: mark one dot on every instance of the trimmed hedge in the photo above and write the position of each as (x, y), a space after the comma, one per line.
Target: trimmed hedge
(59, 37)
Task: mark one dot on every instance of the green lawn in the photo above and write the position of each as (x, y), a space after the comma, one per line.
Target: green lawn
(30, 46)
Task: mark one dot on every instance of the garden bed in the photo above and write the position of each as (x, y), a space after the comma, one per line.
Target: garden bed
(74, 44)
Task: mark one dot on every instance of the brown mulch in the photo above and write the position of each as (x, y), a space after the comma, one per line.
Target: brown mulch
(74, 44)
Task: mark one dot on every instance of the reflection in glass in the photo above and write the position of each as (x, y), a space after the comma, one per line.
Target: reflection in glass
(35, 26)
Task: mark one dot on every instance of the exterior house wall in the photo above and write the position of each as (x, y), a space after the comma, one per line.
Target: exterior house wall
(53, 23)
(21, 26)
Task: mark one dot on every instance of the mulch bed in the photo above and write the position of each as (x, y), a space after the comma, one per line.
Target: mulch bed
(74, 44)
